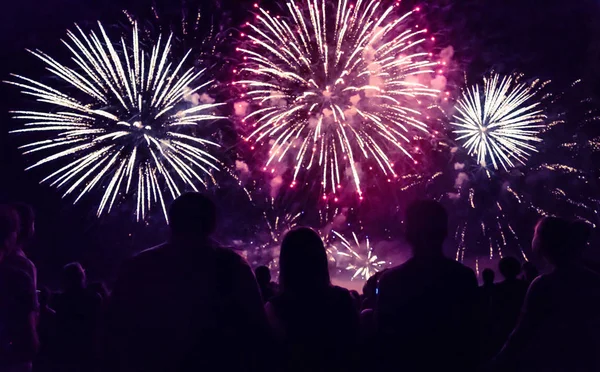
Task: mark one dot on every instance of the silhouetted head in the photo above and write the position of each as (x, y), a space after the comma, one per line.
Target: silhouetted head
(488, 276)
(9, 227)
(509, 267)
(530, 272)
(553, 240)
(26, 223)
(581, 232)
(303, 261)
(192, 216)
(426, 227)
(73, 276)
(263, 275)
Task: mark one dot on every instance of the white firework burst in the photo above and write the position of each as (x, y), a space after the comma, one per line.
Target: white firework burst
(122, 122)
(364, 262)
(500, 121)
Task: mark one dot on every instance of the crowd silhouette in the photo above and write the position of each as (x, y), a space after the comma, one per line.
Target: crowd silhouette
(191, 305)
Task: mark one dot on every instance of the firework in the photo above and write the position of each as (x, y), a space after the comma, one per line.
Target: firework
(494, 207)
(335, 84)
(278, 222)
(363, 261)
(280, 225)
(122, 121)
(500, 121)
(196, 24)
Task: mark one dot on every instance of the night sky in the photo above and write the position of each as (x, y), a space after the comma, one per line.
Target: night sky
(558, 40)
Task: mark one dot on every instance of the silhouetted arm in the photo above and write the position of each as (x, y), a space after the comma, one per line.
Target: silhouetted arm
(531, 315)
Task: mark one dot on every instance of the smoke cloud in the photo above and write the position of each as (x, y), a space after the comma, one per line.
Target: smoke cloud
(205, 98)
(460, 179)
(276, 185)
(241, 166)
(241, 108)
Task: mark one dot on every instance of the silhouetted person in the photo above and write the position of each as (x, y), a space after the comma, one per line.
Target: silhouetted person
(263, 277)
(530, 272)
(487, 297)
(186, 305)
(18, 302)
(426, 307)
(26, 231)
(559, 328)
(77, 313)
(508, 300)
(488, 277)
(46, 329)
(316, 322)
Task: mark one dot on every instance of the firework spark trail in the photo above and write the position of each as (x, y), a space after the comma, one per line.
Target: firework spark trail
(336, 84)
(501, 121)
(365, 262)
(121, 123)
(281, 225)
(502, 124)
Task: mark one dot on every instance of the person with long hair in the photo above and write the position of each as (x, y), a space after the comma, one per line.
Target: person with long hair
(316, 322)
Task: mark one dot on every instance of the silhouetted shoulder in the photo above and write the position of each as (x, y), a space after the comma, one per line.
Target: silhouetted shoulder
(339, 294)
(149, 257)
(230, 257)
(394, 274)
(584, 277)
(22, 263)
(339, 291)
(414, 265)
(460, 269)
(152, 253)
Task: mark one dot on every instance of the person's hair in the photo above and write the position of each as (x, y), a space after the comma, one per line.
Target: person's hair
(303, 261)
(26, 220)
(553, 237)
(263, 274)
(488, 276)
(73, 275)
(8, 223)
(509, 267)
(426, 225)
(192, 214)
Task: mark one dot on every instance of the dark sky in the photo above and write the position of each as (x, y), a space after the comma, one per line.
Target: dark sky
(556, 39)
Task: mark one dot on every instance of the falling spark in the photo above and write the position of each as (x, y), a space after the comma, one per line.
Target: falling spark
(122, 123)
(500, 121)
(336, 84)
